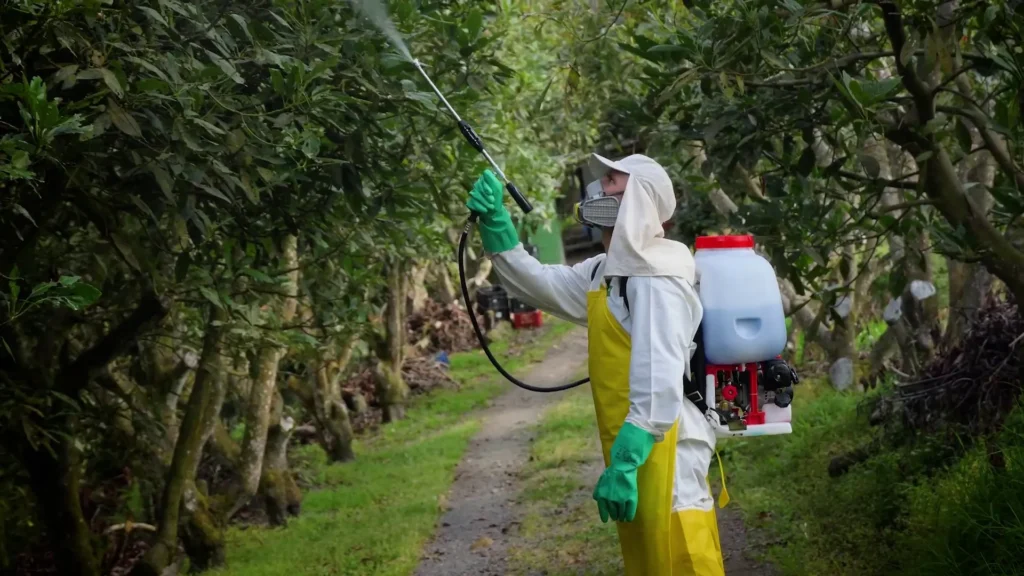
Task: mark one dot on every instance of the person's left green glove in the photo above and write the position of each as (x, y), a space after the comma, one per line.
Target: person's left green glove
(616, 491)
(497, 232)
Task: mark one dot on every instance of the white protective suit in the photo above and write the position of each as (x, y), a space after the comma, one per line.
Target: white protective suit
(662, 318)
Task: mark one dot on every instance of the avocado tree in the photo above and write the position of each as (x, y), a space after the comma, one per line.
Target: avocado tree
(854, 139)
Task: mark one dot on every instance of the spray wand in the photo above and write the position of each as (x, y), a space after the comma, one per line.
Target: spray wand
(475, 142)
(524, 205)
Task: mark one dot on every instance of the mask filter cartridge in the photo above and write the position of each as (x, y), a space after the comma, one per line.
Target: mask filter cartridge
(600, 212)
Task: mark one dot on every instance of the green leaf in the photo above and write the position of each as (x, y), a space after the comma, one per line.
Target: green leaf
(267, 175)
(106, 75)
(226, 67)
(211, 296)
(277, 81)
(82, 295)
(123, 120)
(424, 98)
(21, 210)
(69, 280)
(148, 66)
(258, 275)
(665, 48)
(212, 129)
(163, 179)
(124, 248)
(870, 165)
(154, 15)
(474, 22)
(213, 192)
(111, 81)
(924, 156)
(311, 145)
(990, 14)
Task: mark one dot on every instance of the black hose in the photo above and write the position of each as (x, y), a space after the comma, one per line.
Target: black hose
(480, 335)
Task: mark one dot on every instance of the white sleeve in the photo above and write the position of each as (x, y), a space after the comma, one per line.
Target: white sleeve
(559, 290)
(663, 324)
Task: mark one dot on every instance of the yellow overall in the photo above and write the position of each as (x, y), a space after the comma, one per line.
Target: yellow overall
(659, 541)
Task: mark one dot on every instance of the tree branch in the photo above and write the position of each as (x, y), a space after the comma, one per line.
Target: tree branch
(992, 142)
(89, 363)
(901, 206)
(893, 20)
(884, 181)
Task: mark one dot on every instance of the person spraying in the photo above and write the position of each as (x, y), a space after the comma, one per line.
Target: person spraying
(641, 312)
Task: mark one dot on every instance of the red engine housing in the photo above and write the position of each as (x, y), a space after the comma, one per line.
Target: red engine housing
(736, 386)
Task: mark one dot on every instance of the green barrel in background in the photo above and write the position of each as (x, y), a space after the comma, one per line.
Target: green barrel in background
(548, 239)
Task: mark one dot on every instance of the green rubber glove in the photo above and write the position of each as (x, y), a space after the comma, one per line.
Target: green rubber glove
(486, 199)
(616, 492)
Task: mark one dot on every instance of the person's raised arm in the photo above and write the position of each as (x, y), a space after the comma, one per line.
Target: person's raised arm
(559, 290)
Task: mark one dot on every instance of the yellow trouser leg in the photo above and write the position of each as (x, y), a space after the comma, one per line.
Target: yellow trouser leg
(696, 550)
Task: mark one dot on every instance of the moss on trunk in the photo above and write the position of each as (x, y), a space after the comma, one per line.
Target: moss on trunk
(187, 449)
(202, 534)
(280, 492)
(391, 387)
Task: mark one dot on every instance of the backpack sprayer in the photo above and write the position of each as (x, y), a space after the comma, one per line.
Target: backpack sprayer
(524, 205)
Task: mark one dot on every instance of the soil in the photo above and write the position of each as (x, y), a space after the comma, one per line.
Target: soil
(480, 524)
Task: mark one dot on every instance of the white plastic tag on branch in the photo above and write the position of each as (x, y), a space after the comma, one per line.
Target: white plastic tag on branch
(922, 289)
(893, 311)
(842, 307)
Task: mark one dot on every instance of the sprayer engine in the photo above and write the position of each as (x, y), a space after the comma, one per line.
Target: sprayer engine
(751, 399)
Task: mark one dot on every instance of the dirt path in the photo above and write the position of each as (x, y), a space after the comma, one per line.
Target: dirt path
(474, 534)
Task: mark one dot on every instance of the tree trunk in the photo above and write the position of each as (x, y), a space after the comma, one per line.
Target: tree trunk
(187, 449)
(336, 416)
(203, 533)
(173, 388)
(211, 416)
(56, 483)
(280, 492)
(257, 419)
(970, 284)
(417, 289)
(391, 387)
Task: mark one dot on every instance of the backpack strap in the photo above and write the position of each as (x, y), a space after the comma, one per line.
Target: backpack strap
(694, 387)
(622, 290)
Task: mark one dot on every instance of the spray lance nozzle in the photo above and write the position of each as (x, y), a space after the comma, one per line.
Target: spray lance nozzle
(477, 143)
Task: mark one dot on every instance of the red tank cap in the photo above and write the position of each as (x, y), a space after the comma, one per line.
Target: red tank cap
(707, 242)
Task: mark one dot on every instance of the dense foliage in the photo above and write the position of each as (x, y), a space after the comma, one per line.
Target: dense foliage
(197, 193)
(209, 210)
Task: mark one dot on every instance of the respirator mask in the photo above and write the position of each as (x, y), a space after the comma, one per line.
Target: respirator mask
(596, 209)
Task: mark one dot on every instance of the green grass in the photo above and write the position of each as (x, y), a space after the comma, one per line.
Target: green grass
(561, 529)
(924, 508)
(372, 516)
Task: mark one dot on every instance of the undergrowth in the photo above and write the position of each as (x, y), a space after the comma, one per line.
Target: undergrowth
(926, 505)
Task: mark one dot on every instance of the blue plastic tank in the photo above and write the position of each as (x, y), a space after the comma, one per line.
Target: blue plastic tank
(743, 316)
